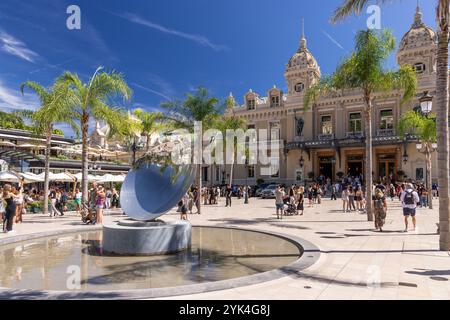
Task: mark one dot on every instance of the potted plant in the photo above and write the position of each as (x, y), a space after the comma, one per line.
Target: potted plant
(340, 174)
(401, 174)
(259, 181)
(34, 207)
(311, 175)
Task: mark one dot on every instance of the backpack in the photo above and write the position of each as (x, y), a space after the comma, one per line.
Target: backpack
(378, 203)
(409, 197)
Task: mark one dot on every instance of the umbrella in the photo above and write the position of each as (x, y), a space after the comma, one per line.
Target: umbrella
(112, 178)
(58, 148)
(31, 146)
(90, 177)
(30, 177)
(8, 176)
(63, 177)
(7, 144)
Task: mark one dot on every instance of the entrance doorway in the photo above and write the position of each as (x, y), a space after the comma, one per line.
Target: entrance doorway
(326, 167)
(387, 167)
(355, 165)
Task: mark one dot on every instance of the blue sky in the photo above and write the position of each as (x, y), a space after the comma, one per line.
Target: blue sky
(166, 48)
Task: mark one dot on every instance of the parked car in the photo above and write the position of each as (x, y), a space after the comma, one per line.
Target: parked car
(269, 192)
(260, 188)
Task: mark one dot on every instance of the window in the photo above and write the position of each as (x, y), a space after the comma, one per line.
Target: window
(250, 104)
(274, 101)
(419, 67)
(251, 172)
(299, 87)
(274, 131)
(275, 169)
(386, 119)
(419, 173)
(355, 123)
(205, 174)
(251, 126)
(326, 124)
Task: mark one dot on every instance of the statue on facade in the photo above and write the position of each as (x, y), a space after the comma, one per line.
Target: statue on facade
(299, 124)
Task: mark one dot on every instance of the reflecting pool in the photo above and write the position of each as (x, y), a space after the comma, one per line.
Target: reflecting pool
(56, 263)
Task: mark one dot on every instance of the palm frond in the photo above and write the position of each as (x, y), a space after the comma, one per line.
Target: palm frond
(37, 88)
(350, 7)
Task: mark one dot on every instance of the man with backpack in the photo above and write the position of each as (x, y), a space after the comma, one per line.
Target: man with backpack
(409, 199)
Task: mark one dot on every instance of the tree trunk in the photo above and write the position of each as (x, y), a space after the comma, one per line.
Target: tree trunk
(430, 194)
(85, 157)
(442, 105)
(199, 183)
(368, 172)
(48, 145)
(147, 147)
(231, 172)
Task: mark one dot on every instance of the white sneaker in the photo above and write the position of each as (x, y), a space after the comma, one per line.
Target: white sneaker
(12, 231)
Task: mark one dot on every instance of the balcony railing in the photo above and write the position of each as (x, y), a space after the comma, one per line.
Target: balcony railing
(354, 134)
(325, 136)
(385, 132)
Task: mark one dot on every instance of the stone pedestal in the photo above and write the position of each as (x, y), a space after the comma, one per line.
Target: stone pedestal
(139, 238)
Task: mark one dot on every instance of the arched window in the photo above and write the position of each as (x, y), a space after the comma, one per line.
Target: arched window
(250, 103)
(274, 101)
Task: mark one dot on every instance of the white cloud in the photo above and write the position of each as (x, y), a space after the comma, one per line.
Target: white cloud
(13, 99)
(164, 86)
(197, 38)
(17, 48)
(333, 40)
(151, 91)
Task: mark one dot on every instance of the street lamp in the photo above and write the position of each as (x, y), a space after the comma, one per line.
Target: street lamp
(405, 155)
(426, 103)
(301, 162)
(428, 148)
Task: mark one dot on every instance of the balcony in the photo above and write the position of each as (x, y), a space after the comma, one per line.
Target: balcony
(325, 137)
(354, 135)
(385, 132)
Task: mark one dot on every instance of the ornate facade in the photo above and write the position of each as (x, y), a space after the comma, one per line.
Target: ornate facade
(329, 137)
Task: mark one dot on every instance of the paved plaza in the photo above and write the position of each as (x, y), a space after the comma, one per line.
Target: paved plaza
(355, 262)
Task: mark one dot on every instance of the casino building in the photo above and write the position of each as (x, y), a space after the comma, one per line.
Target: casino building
(328, 139)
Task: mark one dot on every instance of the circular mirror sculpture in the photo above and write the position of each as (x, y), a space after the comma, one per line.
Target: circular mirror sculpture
(154, 186)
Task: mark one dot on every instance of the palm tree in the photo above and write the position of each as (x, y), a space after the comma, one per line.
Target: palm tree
(424, 128)
(54, 109)
(442, 101)
(151, 122)
(91, 101)
(364, 71)
(198, 107)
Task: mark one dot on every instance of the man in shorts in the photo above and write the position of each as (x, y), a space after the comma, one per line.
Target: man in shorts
(409, 199)
(279, 203)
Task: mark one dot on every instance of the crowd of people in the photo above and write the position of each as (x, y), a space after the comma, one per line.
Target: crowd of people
(288, 200)
(14, 201)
